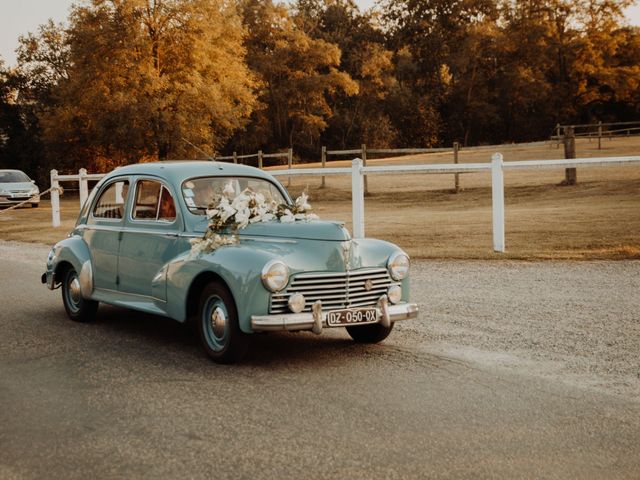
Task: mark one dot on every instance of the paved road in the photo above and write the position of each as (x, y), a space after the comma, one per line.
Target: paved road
(131, 396)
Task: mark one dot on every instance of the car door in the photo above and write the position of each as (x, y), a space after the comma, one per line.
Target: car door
(149, 239)
(103, 230)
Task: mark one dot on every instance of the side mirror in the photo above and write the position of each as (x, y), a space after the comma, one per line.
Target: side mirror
(33, 181)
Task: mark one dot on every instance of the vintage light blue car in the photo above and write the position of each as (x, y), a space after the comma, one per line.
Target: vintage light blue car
(131, 248)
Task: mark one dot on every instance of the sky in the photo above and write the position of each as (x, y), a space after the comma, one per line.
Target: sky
(18, 17)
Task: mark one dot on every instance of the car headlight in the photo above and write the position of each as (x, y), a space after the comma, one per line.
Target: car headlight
(398, 265)
(34, 191)
(275, 275)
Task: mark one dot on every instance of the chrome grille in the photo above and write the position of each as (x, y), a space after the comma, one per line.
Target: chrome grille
(336, 290)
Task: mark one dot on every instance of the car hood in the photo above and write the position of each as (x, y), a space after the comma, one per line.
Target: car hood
(311, 230)
(303, 230)
(16, 186)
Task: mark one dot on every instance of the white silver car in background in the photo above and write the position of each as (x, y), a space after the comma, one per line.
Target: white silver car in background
(16, 187)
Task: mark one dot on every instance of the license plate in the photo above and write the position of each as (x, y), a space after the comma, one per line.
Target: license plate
(340, 318)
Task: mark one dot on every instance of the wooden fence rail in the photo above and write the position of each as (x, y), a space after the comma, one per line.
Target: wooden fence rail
(595, 130)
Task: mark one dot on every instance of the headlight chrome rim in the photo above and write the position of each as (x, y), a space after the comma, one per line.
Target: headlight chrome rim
(398, 272)
(269, 276)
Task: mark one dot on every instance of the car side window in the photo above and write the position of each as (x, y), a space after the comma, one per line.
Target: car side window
(153, 202)
(112, 200)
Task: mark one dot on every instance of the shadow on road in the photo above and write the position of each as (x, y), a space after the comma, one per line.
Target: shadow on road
(155, 336)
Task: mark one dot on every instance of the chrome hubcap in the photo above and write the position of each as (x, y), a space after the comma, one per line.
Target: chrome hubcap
(74, 290)
(218, 322)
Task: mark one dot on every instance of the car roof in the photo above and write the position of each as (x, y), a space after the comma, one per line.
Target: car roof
(176, 171)
(10, 170)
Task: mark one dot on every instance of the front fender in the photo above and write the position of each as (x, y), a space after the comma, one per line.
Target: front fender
(239, 267)
(73, 251)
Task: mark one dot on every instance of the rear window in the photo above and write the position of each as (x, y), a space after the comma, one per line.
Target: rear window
(153, 202)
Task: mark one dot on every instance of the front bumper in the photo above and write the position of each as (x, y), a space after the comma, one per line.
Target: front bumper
(6, 201)
(316, 320)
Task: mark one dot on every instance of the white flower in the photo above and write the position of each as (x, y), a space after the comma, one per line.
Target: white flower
(287, 217)
(302, 202)
(228, 190)
(242, 217)
(241, 201)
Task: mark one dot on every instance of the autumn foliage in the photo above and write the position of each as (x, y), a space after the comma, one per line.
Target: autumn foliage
(133, 80)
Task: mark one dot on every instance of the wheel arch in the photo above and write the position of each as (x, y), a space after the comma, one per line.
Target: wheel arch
(195, 290)
(61, 269)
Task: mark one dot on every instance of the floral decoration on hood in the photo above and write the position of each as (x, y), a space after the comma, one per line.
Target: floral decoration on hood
(230, 213)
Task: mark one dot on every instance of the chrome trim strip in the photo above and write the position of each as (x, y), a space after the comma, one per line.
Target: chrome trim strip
(309, 321)
(266, 239)
(130, 230)
(136, 295)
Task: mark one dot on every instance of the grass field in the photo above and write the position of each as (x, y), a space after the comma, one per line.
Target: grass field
(597, 219)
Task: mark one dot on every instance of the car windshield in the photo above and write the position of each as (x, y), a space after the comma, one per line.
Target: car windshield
(202, 193)
(13, 177)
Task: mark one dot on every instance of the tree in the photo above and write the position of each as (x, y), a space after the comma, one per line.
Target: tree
(299, 74)
(363, 117)
(426, 36)
(143, 75)
(20, 144)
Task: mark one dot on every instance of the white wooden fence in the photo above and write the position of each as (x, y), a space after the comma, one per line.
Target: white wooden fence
(496, 167)
(358, 172)
(83, 181)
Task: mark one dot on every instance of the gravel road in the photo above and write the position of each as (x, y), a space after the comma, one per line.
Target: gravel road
(575, 322)
(514, 370)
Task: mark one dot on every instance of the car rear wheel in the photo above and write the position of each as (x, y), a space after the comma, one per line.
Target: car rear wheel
(369, 333)
(218, 327)
(78, 308)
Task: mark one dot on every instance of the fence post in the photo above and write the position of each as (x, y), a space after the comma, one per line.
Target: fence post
(497, 197)
(599, 137)
(55, 199)
(456, 148)
(84, 186)
(289, 164)
(235, 157)
(557, 135)
(323, 157)
(570, 174)
(260, 159)
(357, 198)
(119, 191)
(364, 164)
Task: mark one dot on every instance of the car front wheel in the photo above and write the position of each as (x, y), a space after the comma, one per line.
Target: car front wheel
(78, 308)
(218, 327)
(369, 333)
